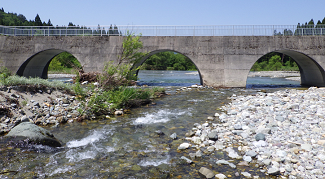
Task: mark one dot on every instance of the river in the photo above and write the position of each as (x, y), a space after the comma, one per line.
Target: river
(128, 146)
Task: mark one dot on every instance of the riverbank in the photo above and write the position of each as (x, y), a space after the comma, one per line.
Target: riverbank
(289, 75)
(39, 105)
(279, 133)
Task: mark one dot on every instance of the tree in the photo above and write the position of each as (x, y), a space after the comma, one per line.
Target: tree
(119, 74)
(49, 23)
(38, 21)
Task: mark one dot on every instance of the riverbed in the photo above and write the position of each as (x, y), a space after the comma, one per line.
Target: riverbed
(137, 144)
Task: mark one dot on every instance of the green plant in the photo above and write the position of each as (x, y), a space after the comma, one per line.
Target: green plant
(24, 103)
(119, 74)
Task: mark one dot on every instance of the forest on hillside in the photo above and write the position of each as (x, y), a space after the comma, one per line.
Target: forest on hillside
(164, 60)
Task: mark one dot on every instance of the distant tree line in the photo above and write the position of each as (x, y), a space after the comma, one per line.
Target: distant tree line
(14, 19)
(309, 28)
(168, 61)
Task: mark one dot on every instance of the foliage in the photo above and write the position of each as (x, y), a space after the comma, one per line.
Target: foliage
(119, 74)
(168, 61)
(103, 102)
(14, 19)
(274, 62)
(4, 74)
(17, 80)
(64, 62)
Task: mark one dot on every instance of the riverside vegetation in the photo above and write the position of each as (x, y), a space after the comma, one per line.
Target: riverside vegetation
(109, 94)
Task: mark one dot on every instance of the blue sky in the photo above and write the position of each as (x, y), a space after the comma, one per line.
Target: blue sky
(169, 12)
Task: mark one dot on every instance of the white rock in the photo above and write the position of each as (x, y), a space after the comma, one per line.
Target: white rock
(220, 176)
(246, 174)
(184, 146)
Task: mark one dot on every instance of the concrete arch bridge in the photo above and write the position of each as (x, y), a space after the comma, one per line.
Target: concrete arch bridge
(222, 61)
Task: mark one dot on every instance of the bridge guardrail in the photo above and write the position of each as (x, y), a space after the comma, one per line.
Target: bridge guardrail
(211, 30)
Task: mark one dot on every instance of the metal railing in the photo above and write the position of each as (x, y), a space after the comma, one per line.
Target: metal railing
(211, 30)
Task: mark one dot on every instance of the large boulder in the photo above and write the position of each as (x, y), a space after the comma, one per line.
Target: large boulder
(34, 134)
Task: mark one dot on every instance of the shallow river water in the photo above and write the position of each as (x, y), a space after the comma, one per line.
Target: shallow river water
(128, 146)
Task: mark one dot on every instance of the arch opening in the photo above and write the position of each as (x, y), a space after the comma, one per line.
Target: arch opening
(168, 68)
(38, 65)
(289, 69)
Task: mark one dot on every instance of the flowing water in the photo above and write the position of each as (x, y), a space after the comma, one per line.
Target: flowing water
(128, 146)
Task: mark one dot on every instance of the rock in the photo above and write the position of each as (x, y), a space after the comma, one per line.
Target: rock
(184, 146)
(306, 147)
(232, 153)
(192, 155)
(213, 135)
(220, 176)
(173, 136)
(196, 140)
(35, 134)
(223, 162)
(190, 133)
(118, 112)
(246, 174)
(24, 119)
(243, 163)
(159, 132)
(273, 171)
(247, 158)
(218, 146)
(206, 172)
(267, 162)
(189, 161)
(238, 127)
(251, 153)
(210, 118)
(260, 136)
(198, 153)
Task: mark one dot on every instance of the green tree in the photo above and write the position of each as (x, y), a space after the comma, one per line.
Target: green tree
(38, 21)
(120, 73)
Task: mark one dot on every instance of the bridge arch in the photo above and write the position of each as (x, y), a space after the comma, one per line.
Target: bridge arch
(311, 73)
(139, 63)
(37, 65)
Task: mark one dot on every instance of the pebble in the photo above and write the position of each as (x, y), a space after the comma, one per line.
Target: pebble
(280, 130)
(206, 172)
(184, 146)
(220, 176)
(173, 136)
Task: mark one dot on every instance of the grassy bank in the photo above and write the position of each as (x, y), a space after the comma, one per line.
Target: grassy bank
(94, 100)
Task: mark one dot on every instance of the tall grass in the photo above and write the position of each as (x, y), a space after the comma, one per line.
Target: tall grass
(18, 80)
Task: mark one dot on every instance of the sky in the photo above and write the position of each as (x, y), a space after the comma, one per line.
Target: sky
(169, 12)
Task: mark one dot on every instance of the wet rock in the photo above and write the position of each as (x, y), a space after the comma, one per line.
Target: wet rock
(118, 112)
(173, 136)
(34, 134)
(159, 133)
(188, 161)
(206, 172)
(246, 174)
(220, 176)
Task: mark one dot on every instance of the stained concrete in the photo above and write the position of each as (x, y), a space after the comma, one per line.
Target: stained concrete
(222, 61)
